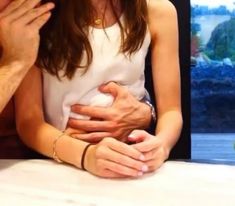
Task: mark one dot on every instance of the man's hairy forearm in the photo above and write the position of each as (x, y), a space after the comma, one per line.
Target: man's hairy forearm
(10, 77)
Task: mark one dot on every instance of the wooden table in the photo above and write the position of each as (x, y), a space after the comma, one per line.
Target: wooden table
(46, 183)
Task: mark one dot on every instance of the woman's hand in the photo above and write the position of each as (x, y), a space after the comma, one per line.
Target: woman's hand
(112, 159)
(20, 23)
(125, 115)
(153, 147)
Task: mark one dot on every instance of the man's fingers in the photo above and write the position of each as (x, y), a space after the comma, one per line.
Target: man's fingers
(38, 16)
(70, 131)
(22, 9)
(91, 111)
(92, 137)
(111, 88)
(11, 7)
(114, 89)
(40, 21)
(91, 125)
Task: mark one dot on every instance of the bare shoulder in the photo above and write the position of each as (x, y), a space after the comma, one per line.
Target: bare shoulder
(161, 9)
(162, 17)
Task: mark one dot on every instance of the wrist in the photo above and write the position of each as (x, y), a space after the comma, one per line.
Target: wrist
(146, 114)
(166, 146)
(151, 113)
(88, 157)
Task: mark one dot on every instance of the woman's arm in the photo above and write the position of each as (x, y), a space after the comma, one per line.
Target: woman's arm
(166, 71)
(32, 128)
(109, 158)
(166, 76)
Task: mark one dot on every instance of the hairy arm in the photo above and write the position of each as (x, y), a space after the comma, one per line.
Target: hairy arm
(20, 23)
(10, 77)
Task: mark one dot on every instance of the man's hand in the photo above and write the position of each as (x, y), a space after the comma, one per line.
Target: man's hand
(125, 114)
(20, 23)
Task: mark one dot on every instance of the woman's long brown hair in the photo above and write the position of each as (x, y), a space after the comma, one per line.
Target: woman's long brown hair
(64, 39)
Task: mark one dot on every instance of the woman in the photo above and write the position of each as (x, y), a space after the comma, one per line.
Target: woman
(94, 42)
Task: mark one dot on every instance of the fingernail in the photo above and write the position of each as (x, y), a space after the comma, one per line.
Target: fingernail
(140, 174)
(50, 5)
(142, 157)
(132, 136)
(145, 168)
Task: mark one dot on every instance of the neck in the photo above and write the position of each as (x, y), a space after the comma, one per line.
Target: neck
(101, 5)
(103, 11)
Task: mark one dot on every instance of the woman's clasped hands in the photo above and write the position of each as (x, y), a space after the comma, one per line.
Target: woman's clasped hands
(114, 159)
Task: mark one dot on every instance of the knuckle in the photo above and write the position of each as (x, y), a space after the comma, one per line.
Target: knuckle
(35, 12)
(107, 141)
(27, 6)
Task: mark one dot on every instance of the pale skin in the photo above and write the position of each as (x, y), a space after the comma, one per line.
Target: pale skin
(20, 22)
(110, 157)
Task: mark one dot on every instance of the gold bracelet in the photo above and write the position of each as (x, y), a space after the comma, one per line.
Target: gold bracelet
(55, 157)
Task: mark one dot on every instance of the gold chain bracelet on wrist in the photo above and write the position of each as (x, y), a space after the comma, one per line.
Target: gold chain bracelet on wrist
(55, 156)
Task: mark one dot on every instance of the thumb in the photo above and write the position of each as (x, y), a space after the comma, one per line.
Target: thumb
(111, 88)
(137, 136)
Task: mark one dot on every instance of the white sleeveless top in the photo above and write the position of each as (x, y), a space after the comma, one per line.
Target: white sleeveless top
(108, 64)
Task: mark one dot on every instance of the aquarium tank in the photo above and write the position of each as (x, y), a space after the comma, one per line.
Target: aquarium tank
(213, 79)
